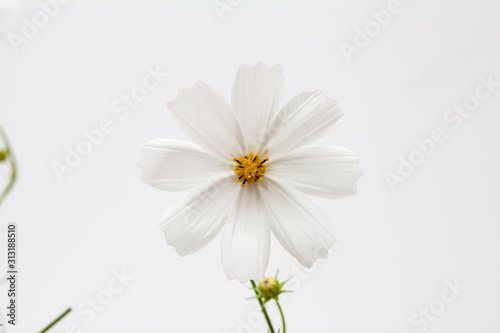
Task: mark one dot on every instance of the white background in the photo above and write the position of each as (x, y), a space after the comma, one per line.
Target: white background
(397, 248)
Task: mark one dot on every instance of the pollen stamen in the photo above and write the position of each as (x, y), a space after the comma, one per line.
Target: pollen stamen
(250, 168)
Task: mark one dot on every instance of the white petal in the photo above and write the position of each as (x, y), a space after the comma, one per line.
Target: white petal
(329, 172)
(257, 95)
(207, 118)
(172, 165)
(297, 223)
(194, 219)
(306, 119)
(246, 237)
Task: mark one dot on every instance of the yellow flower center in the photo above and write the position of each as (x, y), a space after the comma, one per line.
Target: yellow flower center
(250, 169)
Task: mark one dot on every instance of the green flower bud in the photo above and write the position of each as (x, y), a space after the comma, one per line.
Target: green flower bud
(3, 155)
(269, 288)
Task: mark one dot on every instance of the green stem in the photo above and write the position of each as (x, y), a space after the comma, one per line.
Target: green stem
(12, 160)
(282, 316)
(263, 307)
(56, 321)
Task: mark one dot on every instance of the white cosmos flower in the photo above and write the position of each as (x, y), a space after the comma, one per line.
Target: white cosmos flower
(229, 188)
